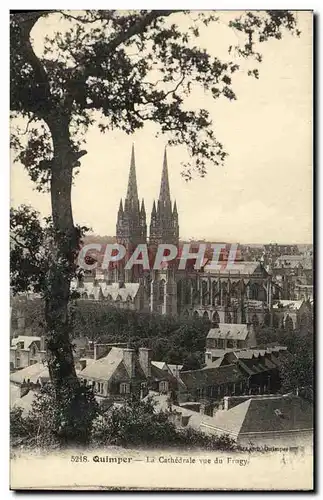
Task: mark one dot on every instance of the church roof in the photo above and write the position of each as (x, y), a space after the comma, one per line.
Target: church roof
(240, 268)
(128, 291)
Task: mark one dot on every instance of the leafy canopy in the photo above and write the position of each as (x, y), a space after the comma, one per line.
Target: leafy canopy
(122, 69)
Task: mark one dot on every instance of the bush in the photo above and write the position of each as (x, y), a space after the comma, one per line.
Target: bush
(49, 424)
(135, 423)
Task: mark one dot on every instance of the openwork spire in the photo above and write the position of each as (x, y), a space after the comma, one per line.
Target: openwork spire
(164, 195)
(132, 191)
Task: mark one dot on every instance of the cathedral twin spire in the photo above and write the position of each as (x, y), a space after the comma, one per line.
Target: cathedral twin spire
(131, 222)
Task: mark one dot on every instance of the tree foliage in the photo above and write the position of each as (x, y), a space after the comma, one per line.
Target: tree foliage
(131, 67)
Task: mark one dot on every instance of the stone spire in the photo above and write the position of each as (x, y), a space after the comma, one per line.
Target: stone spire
(132, 191)
(164, 194)
(142, 209)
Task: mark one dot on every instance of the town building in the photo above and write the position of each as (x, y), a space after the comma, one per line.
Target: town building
(226, 336)
(251, 421)
(25, 351)
(123, 372)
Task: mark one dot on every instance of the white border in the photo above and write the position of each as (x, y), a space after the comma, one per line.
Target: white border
(4, 185)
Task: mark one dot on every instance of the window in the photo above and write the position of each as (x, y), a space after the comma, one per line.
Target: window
(99, 386)
(163, 386)
(220, 344)
(18, 363)
(124, 388)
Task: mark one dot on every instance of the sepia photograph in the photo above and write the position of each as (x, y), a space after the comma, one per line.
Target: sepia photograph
(161, 250)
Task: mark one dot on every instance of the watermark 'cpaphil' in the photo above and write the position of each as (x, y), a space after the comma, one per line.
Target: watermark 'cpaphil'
(165, 253)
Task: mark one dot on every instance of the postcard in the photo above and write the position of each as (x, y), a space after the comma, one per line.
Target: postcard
(161, 250)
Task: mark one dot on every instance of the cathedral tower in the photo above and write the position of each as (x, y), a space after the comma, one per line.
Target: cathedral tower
(131, 228)
(164, 226)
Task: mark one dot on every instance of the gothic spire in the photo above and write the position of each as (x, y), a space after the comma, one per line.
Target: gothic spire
(175, 208)
(120, 206)
(154, 211)
(142, 208)
(132, 191)
(164, 195)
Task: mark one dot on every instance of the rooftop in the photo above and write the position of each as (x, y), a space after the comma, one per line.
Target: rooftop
(229, 331)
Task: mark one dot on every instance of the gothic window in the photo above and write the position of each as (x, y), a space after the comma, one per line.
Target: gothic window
(204, 293)
(216, 318)
(267, 319)
(289, 325)
(205, 315)
(196, 314)
(262, 294)
(186, 313)
(162, 290)
(253, 291)
(228, 318)
(187, 292)
(214, 292)
(255, 321)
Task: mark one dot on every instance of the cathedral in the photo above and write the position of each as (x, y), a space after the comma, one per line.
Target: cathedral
(242, 294)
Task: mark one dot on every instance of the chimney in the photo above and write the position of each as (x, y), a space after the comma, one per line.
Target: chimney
(100, 350)
(145, 355)
(129, 361)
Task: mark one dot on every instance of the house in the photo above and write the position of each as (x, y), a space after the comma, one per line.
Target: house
(25, 351)
(261, 366)
(123, 371)
(229, 336)
(267, 420)
(251, 421)
(212, 384)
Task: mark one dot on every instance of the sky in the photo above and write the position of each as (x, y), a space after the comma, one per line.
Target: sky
(262, 194)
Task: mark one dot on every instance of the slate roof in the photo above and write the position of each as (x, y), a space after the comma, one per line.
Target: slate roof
(36, 372)
(26, 339)
(229, 331)
(104, 368)
(204, 377)
(266, 414)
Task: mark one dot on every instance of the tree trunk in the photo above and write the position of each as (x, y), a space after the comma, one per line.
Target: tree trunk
(71, 404)
(60, 356)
